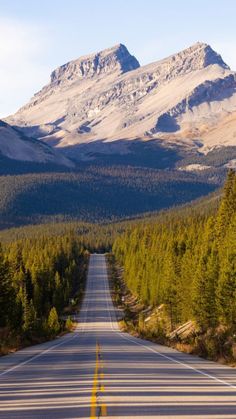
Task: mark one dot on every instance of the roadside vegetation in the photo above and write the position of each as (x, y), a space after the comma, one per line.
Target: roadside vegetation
(181, 274)
(41, 282)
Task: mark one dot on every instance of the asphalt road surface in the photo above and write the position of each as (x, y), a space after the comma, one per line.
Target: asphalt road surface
(97, 371)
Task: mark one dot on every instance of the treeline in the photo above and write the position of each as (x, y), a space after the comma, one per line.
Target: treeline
(38, 276)
(187, 264)
(93, 237)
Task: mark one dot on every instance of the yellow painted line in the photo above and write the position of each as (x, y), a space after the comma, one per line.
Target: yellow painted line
(93, 410)
(104, 410)
(97, 385)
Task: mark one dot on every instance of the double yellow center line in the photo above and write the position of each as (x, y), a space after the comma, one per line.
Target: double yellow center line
(98, 409)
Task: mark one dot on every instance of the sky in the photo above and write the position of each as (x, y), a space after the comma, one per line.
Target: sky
(38, 36)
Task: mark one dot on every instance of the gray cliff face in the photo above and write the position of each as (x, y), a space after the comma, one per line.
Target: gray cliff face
(116, 59)
(130, 90)
(211, 57)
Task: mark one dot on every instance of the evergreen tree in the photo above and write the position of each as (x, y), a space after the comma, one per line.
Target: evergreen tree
(6, 291)
(204, 291)
(226, 291)
(53, 322)
(29, 314)
(58, 299)
(228, 205)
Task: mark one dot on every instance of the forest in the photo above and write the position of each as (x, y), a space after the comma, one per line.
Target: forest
(38, 277)
(98, 193)
(186, 267)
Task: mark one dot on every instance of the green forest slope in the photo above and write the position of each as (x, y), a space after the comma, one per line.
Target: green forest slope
(97, 194)
(186, 267)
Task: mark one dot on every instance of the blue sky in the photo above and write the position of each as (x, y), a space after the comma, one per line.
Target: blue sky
(37, 36)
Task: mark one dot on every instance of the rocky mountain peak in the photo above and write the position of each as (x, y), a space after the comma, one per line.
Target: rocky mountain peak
(203, 55)
(107, 96)
(115, 59)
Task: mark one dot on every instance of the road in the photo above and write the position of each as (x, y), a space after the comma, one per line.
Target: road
(97, 371)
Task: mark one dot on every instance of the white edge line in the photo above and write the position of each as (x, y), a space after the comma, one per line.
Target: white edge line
(36, 356)
(165, 356)
(179, 362)
(75, 334)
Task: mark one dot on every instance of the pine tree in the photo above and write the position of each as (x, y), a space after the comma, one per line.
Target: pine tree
(227, 206)
(6, 291)
(226, 291)
(53, 322)
(171, 275)
(29, 314)
(58, 299)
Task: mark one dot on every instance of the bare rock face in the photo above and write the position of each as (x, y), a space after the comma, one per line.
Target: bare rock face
(107, 96)
(205, 55)
(114, 59)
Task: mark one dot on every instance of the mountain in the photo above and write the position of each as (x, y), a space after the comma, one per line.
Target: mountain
(15, 146)
(141, 138)
(94, 104)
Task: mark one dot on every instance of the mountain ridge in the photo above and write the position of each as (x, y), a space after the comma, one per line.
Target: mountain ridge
(114, 59)
(108, 97)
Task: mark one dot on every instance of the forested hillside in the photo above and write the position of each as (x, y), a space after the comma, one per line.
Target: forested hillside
(38, 276)
(97, 193)
(100, 237)
(187, 268)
